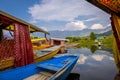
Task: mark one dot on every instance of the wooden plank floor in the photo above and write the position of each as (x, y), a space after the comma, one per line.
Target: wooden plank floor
(40, 76)
(51, 48)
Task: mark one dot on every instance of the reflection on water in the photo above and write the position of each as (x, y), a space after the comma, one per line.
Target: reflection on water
(97, 66)
(93, 48)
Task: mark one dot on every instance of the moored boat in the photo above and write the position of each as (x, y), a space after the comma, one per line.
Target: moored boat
(39, 55)
(40, 43)
(57, 68)
(17, 50)
(46, 53)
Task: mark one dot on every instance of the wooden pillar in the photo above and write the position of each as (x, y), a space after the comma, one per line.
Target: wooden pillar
(51, 42)
(62, 43)
(1, 34)
(45, 35)
(116, 31)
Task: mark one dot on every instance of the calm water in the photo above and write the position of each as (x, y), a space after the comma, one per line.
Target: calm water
(94, 66)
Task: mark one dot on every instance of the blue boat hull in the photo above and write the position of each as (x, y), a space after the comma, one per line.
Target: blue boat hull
(66, 73)
(61, 66)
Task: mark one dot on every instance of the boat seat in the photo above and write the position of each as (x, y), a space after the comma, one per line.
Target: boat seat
(40, 76)
(51, 67)
(54, 66)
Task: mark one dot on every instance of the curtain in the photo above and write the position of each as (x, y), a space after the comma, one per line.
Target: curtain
(115, 22)
(22, 46)
(6, 49)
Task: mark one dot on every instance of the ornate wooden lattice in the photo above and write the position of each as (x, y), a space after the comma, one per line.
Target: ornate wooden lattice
(114, 5)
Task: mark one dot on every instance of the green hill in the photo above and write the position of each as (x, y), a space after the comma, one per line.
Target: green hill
(108, 33)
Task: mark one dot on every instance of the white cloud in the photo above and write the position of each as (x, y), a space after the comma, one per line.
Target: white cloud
(44, 28)
(98, 57)
(111, 58)
(63, 10)
(68, 11)
(82, 59)
(97, 26)
(76, 25)
(108, 25)
(91, 19)
(106, 28)
(60, 10)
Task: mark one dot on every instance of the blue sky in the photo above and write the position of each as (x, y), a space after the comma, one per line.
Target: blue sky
(57, 14)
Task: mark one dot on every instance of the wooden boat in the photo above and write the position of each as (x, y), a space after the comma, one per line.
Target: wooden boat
(39, 55)
(40, 43)
(36, 40)
(47, 53)
(57, 68)
(18, 50)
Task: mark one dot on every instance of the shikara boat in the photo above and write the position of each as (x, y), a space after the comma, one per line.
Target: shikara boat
(40, 43)
(39, 55)
(18, 50)
(57, 68)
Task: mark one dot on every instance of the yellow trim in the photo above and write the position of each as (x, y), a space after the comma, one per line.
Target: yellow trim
(47, 56)
(33, 28)
(116, 51)
(38, 40)
(116, 20)
(10, 27)
(116, 54)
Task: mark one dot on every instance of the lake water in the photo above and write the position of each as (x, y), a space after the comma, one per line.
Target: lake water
(94, 66)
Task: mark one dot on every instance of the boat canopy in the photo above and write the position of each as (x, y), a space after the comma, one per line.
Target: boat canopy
(19, 46)
(7, 22)
(107, 5)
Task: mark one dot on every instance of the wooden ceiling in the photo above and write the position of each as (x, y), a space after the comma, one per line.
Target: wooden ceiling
(107, 5)
(6, 20)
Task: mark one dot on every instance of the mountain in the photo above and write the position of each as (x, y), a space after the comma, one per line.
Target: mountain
(108, 33)
(78, 33)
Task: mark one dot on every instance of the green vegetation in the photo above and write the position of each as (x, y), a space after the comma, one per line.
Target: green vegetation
(88, 41)
(93, 36)
(107, 41)
(93, 48)
(82, 41)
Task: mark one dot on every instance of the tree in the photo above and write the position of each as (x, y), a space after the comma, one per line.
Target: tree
(93, 36)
